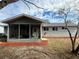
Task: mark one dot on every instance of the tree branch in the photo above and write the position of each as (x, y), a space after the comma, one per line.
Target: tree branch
(65, 20)
(66, 15)
(72, 42)
(26, 4)
(31, 3)
(75, 36)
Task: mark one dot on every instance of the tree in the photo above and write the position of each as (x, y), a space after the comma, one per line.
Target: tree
(65, 12)
(28, 2)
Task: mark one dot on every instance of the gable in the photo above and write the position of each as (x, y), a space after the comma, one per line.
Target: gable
(22, 19)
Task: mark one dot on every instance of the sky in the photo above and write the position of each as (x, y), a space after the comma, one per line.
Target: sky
(49, 12)
(50, 7)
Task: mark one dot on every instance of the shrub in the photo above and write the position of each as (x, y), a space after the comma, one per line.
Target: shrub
(3, 37)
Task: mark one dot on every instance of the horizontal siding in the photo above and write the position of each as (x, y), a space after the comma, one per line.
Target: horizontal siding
(60, 33)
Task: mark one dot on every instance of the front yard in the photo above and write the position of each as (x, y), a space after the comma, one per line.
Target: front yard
(58, 48)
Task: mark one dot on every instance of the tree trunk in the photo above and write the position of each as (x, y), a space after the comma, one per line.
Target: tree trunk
(76, 50)
(72, 41)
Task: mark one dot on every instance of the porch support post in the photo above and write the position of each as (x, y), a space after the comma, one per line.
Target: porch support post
(41, 31)
(29, 31)
(8, 32)
(19, 31)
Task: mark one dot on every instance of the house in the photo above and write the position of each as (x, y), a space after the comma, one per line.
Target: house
(23, 27)
(58, 29)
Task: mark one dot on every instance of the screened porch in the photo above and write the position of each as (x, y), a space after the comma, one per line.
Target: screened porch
(24, 31)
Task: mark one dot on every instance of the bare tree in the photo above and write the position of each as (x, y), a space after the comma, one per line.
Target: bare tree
(29, 2)
(65, 12)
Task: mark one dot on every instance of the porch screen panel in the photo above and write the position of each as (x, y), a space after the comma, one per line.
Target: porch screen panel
(24, 31)
(13, 31)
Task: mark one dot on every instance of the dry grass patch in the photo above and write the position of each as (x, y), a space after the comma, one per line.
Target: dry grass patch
(58, 48)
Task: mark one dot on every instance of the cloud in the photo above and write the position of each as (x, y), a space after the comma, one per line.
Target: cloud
(19, 7)
(3, 16)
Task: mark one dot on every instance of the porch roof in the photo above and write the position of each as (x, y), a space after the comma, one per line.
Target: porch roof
(8, 20)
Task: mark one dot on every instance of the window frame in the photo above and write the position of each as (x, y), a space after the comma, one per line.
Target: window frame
(63, 28)
(54, 28)
(46, 28)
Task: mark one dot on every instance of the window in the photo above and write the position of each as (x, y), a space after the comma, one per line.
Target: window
(46, 28)
(63, 27)
(54, 28)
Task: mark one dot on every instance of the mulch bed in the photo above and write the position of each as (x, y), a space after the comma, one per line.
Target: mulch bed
(42, 43)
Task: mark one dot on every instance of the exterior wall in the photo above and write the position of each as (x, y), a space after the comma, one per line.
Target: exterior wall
(59, 33)
(23, 40)
(2, 29)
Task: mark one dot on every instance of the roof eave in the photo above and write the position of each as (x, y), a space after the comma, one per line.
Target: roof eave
(14, 17)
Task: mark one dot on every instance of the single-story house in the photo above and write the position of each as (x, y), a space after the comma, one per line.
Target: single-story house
(25, 27)
(58, 29)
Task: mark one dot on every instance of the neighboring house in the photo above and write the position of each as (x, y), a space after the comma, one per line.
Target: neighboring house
(2, 30)
(25, 27)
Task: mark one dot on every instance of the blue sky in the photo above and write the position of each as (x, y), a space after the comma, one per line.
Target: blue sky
(49, 12)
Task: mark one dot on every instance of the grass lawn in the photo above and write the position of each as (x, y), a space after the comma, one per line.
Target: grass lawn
(58, 48)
